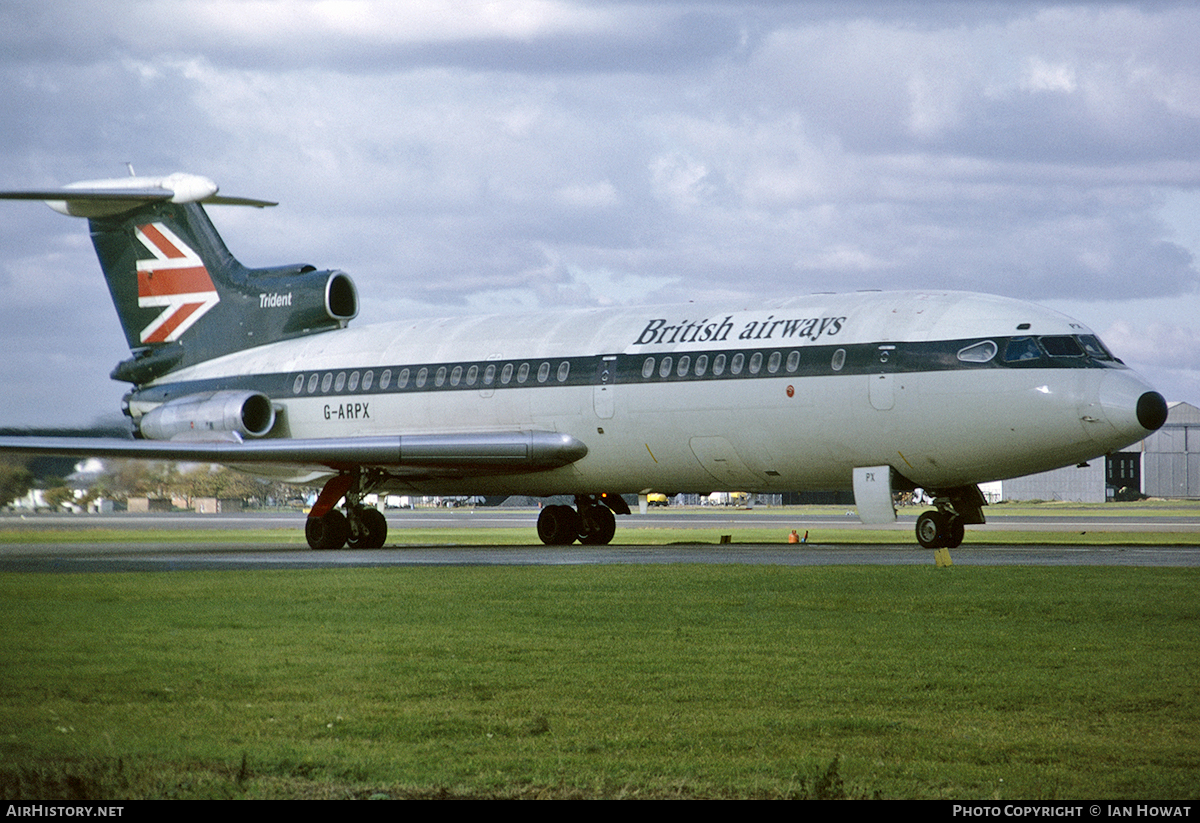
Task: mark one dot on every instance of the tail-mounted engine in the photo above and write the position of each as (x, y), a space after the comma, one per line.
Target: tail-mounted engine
(210, 416)
(182, 297)
(299, 299)
(260, 306)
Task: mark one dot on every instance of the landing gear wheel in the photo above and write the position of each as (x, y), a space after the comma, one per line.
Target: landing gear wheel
(558, 525)
(370, 531)
(933, 529)
(597, 526)
(957, 532)
(327, 532)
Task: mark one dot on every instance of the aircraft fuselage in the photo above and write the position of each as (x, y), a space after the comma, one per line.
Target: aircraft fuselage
(790, 396)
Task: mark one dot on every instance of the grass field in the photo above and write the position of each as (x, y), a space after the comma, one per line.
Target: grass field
(647, 681)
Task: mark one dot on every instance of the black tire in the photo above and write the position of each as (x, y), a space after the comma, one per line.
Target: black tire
(372, 530)
(932, 530)
(597, 526)
(558, 526)
(328, 532)
(957, 532)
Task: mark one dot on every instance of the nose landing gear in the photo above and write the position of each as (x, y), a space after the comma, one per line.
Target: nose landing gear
(944, 528)
(940, 530)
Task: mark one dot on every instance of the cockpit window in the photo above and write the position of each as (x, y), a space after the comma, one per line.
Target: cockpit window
(1092, 345)
(1061, 345)
(978, 353)
(1021, 349)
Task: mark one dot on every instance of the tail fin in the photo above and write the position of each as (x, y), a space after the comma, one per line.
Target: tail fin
(181, 297)
(159, 262)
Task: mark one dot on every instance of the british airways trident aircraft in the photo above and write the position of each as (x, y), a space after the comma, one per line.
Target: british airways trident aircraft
(875, 392)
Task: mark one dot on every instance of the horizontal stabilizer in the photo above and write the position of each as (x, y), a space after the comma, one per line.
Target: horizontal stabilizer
(132, 195)
(102, 198)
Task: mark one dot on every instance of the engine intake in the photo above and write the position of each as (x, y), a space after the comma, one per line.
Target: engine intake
(209, 416)
(303, 298)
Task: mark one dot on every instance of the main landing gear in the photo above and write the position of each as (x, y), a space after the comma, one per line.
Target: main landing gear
(944, 528)
(591, 522)
(361, 527)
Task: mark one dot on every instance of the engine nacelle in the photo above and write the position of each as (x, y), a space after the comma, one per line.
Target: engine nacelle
(303, 298)
(210, 415)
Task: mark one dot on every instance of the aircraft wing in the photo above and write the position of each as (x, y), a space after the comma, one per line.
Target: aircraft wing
(459, 454)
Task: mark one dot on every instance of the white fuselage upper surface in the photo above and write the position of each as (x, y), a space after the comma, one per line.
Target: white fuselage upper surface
(822, 384)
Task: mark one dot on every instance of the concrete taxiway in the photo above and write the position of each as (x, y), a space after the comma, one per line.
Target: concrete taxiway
(77, 558)
(70, 555)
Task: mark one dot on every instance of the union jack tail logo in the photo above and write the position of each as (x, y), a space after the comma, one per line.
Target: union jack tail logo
(176, 279)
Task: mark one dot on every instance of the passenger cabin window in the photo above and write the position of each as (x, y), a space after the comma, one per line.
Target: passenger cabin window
(981, 352)
(839, 360)
(648, 367)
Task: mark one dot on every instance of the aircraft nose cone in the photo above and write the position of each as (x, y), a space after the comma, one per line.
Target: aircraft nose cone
(1131, 409)
(1152, 410)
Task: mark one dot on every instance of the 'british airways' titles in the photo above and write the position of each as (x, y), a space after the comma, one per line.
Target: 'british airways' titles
(659, 332)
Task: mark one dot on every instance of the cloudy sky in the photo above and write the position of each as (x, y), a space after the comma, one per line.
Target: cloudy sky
(479, 155)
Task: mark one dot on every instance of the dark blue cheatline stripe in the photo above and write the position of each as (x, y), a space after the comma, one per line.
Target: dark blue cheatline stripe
(626, 369)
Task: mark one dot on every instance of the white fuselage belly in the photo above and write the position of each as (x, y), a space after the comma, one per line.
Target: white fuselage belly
(778, 431)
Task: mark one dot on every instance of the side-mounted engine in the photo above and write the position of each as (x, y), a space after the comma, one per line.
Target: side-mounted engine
(220, 415)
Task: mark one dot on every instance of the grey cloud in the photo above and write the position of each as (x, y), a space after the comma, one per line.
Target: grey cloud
(621, 152)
